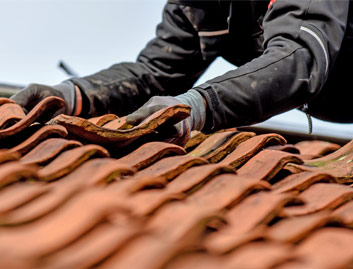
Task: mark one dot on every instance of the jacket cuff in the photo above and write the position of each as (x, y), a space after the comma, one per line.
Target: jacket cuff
(214, 112)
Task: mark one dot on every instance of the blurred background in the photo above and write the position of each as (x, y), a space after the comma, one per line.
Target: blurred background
(90, 35)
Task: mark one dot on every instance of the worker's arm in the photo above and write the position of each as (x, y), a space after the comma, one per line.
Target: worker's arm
(302, 40)
(169, 65)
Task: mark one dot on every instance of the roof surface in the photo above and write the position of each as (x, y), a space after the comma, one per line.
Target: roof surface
(79, 193)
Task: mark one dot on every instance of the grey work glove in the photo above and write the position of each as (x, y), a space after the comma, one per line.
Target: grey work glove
(179, 133)
(34, 93)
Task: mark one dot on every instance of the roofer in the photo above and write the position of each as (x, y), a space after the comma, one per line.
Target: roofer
(288, 52)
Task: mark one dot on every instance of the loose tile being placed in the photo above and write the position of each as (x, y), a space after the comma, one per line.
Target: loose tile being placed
(41, 113)
(118, 124)
(218, 145)
(266, 164)
(48, 150)
(151, 152)
(120, 138)
(69, 160)
(10, 114)
(317, 147)
(339, 164)
(301, 181)
(255, 211)
(42, 134)
(250, 147)
(320, 196)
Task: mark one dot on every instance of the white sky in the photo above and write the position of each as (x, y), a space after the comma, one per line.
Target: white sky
(91, 35)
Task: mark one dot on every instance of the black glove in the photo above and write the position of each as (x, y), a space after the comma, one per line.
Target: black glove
(34, 93)
(179, 133)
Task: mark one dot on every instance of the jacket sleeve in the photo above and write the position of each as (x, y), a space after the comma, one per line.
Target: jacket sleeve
(169, 64)
(302, 40)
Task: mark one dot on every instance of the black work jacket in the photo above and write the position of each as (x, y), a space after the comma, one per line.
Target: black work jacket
(291, 53)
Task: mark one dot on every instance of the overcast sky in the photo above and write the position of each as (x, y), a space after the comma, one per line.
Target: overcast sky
(91, 35)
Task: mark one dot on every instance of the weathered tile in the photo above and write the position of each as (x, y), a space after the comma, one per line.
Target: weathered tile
(196, 260)
(165, 239)
(69, 160)
(93, 247)
(225, 191)
(47, 150)
(196, 139)
(18, 194)
(255, 211)
(194, 178)
(294, 229)
(6, 156)
(345, 214)
(41, 112)
(170, 167)
(266, 164)
(218, 145)
(193, 224)
(151, 152)
(144, 203)
(320, 196)
(40, 135)
(57, 230)
(250, 147)
(287, 148)
(10, 114)
(301, 181)
(259, 255)
(91, 173)
(338, 164)
(317, 147)
(120, 138)
(14, 171)
(145, 252)
(101, 120)
(327, 248)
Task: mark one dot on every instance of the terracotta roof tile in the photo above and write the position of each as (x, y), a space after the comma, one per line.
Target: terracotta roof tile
(337, 164)
(321, 196)
(42, 134)
(156, 205)
(250, 147)
(41, 112)
(48, 150)
(316, 147)
(122, 137)
(9, 114)
(218, 145)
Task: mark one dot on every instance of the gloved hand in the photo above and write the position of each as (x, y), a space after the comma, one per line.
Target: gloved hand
(179, 133)
(34, 93)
